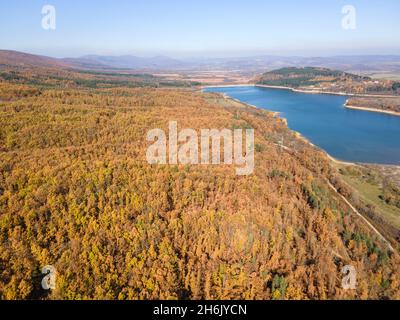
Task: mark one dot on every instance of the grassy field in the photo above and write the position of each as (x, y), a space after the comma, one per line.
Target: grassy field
(389, 76)
(370, 184)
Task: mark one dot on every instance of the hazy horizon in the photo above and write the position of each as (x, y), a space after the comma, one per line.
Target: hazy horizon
(179, 29)
(201, 56)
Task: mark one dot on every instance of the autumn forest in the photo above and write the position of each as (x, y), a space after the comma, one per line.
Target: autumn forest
(77, 193)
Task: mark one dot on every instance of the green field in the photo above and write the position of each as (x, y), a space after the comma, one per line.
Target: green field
(369, 186)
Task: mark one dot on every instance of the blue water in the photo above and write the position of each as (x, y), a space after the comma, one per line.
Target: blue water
(349, 135)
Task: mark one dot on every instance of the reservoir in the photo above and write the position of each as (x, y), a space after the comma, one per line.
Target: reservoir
(346, 134)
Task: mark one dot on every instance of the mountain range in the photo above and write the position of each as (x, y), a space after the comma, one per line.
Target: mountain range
(356, 64)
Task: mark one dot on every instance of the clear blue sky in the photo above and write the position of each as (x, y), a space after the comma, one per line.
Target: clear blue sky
(201, 27)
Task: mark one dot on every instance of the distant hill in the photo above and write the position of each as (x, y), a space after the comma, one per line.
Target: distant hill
(45, 72)
(377, 94)
(125, 62)
(308, 76)
(379, 64)
(15, 58)
(90, 62)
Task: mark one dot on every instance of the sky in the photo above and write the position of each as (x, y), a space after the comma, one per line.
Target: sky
(201, 28)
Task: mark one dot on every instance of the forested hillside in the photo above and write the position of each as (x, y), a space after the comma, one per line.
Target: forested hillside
(77, 193)
(323, 79)
(379, 104)
(45, 73)
(296, 77)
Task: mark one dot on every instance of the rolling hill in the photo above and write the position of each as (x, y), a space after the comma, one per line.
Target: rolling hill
(327, 80)
(20, 59)
(126, 62)
(22, 68)
(380, 65)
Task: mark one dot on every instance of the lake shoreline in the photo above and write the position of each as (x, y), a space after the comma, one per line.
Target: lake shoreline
(227, 86)
(302, 137)
(299, 135)
(392, 113)
(326, 92)
(363, 95)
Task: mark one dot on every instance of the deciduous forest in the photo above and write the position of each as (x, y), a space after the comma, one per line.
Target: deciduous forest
(76, 192)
